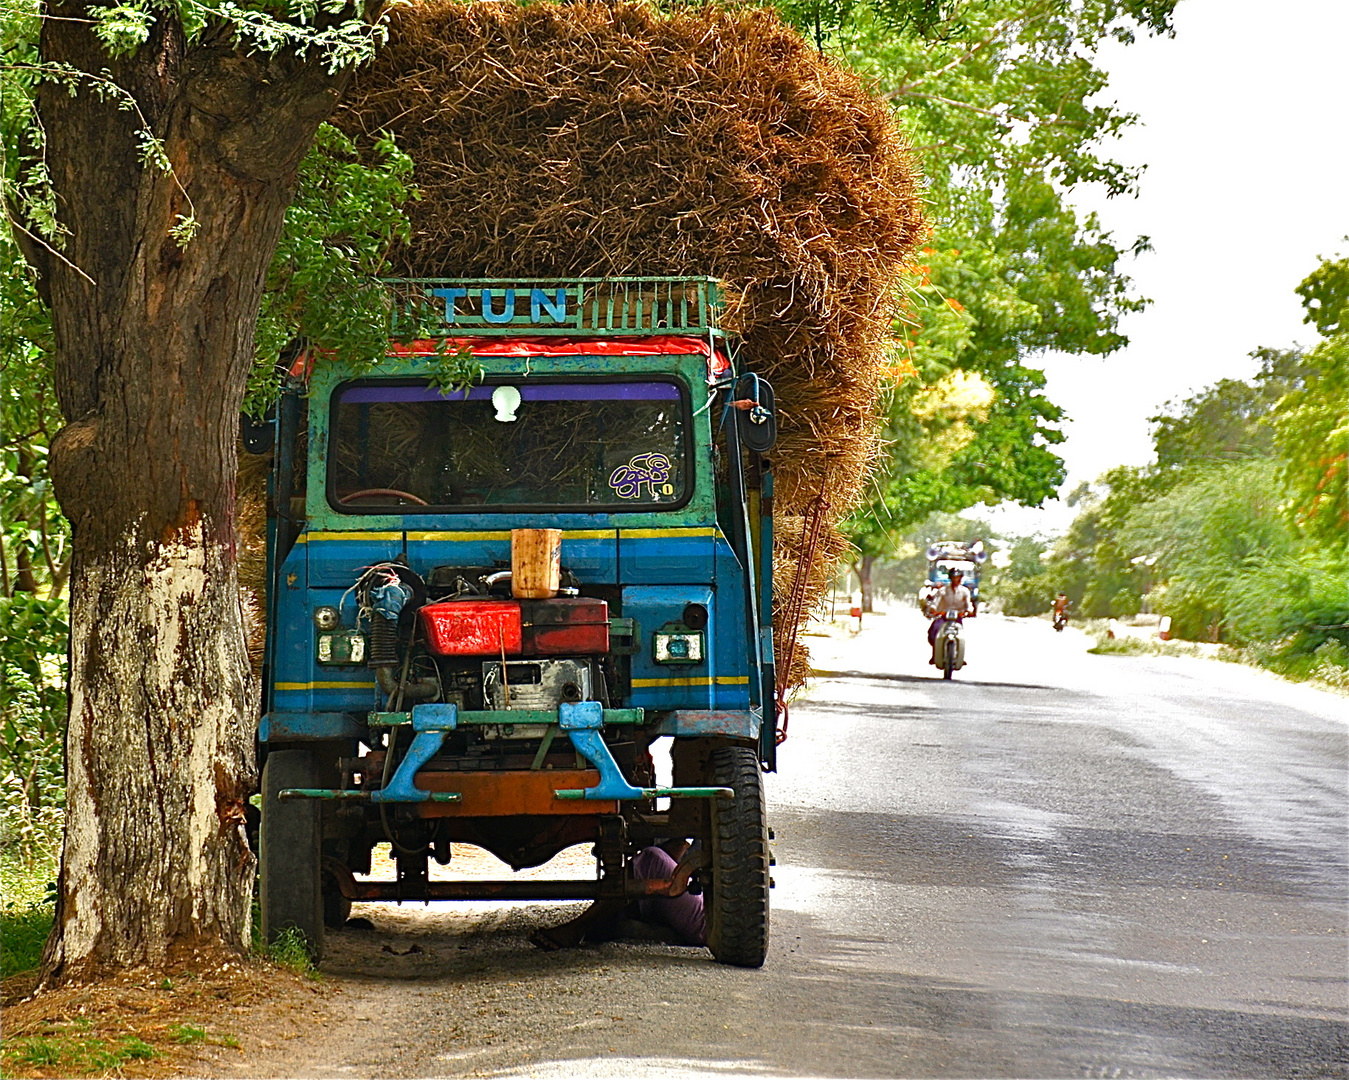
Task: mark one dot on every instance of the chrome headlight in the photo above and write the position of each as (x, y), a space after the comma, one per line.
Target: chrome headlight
(327, 617)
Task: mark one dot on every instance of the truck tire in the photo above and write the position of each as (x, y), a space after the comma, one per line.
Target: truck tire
(949, 659)
(737, 902)
(291, 866)
(336, 907)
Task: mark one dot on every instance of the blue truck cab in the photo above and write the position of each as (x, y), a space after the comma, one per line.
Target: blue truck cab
(487, 602)
(945, 556)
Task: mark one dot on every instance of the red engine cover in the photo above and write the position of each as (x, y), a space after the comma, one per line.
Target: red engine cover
(472, 627)
(565, 626)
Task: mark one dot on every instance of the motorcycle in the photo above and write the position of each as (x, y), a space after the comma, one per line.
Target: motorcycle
(1060, 620)
(948, 650)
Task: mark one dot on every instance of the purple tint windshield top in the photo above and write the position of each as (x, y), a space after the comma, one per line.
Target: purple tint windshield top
(639, 391)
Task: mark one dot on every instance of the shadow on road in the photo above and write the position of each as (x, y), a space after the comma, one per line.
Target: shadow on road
(816, 673)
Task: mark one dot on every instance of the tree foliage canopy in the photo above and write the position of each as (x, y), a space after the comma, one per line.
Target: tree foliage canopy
(1311, 422)
(1229, 419)
(1001, 102)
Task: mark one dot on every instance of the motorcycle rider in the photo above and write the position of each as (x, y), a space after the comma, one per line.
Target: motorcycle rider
(952, 601)
(1061, 606)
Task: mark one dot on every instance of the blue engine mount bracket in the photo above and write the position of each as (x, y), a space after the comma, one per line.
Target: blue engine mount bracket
(581, 722)
(430, 725)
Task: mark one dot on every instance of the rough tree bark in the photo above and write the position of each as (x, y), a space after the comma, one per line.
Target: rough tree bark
(153, 345)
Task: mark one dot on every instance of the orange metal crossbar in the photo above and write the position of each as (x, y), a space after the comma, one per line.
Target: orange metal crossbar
(508, 793)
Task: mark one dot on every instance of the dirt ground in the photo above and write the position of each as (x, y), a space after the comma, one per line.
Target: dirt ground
(242, 1018)
(149, 1024)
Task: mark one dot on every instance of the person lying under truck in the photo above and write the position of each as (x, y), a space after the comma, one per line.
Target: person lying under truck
(678, 910)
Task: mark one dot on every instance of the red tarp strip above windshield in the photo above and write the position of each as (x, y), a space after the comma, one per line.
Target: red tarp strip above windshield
(660, 345)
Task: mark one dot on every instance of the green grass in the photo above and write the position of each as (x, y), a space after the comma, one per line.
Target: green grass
(188, 1034)
(23, 933)
(1327, 667)
(1124, 645)
(26, 912)
(76, 1056)
(290, 951)
(137, 1050)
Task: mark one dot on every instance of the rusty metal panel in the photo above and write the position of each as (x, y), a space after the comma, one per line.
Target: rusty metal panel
(509, 794)
(733, 724)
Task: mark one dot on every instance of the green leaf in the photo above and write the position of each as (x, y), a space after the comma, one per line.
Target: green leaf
(124, 28)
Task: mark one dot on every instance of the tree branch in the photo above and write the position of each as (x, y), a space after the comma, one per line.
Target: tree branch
(948, 101)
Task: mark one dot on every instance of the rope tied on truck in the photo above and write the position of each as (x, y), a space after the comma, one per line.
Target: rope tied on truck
(796, 599)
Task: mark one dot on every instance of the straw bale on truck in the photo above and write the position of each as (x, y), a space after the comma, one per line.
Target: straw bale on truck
(590, 139)
(487, 605)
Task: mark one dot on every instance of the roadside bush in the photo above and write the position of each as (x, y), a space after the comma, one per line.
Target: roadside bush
(1024, 586)
(1328, 663)
(1193, 615)
(1332, 664)
(33, 635)
(1320, 615)
(1033, 596)
(1234, 567)
(1125, 604)
(23, 933)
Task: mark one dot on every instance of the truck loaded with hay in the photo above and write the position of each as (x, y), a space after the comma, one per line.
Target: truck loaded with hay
(486, 604)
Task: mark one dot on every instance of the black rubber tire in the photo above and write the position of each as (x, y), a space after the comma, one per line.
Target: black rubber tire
(737, 901)
(290, 878)
(336, 907)
(949, 667)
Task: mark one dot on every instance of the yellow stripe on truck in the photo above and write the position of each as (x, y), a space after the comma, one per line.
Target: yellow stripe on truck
(323, 686)
(720, 680)
(656, 534)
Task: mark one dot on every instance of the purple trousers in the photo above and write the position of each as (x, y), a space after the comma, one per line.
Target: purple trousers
(683, 914)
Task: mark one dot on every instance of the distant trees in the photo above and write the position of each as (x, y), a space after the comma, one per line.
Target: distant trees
(1311, 423)
(902, 569)
(1230, 419)
(1238, 530)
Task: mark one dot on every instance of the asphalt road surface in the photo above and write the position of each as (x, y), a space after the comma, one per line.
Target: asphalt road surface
(1055, 865)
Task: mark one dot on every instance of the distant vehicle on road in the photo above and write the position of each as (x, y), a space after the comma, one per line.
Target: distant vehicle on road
(945, 556)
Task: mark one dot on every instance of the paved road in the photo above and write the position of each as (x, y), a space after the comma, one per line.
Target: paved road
(1057, 865)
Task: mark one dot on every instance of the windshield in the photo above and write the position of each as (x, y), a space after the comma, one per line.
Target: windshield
(508, 446)
(942, 571)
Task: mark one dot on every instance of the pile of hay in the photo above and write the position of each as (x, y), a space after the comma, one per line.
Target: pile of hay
(591, 139)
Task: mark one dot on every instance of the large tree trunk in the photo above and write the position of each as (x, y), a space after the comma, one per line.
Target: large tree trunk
(153, 345)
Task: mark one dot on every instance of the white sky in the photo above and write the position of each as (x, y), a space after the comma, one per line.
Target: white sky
(1244, 128)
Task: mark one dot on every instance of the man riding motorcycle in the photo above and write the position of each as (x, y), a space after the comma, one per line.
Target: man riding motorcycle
(953, 601)
(1061, 606)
